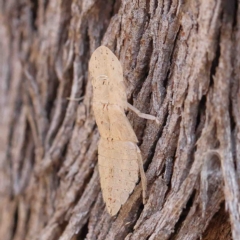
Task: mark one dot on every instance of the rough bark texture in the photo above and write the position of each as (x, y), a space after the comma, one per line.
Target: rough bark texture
(181, 63)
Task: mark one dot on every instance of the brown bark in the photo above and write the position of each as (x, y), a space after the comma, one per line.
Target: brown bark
(181, 63)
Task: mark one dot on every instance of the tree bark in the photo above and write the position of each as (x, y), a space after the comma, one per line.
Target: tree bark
(181, 63)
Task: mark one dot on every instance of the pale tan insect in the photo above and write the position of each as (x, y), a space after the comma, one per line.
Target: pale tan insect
(119, 158)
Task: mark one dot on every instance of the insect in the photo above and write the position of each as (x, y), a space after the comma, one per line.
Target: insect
(119, 158)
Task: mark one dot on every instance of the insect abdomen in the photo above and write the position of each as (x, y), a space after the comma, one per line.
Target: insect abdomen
(118, 168)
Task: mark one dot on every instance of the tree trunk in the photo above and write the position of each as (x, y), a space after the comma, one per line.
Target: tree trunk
(181, 63)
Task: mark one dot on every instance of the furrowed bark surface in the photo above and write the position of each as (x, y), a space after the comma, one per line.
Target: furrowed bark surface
(181, 63)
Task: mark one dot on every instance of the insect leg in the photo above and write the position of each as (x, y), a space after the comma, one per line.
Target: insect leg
(142, 115)
(142, 174)
(75, 99)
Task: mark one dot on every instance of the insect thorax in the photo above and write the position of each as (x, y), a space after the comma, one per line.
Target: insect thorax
(110, 92)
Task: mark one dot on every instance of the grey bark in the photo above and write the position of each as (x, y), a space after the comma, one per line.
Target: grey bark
(181, 63)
